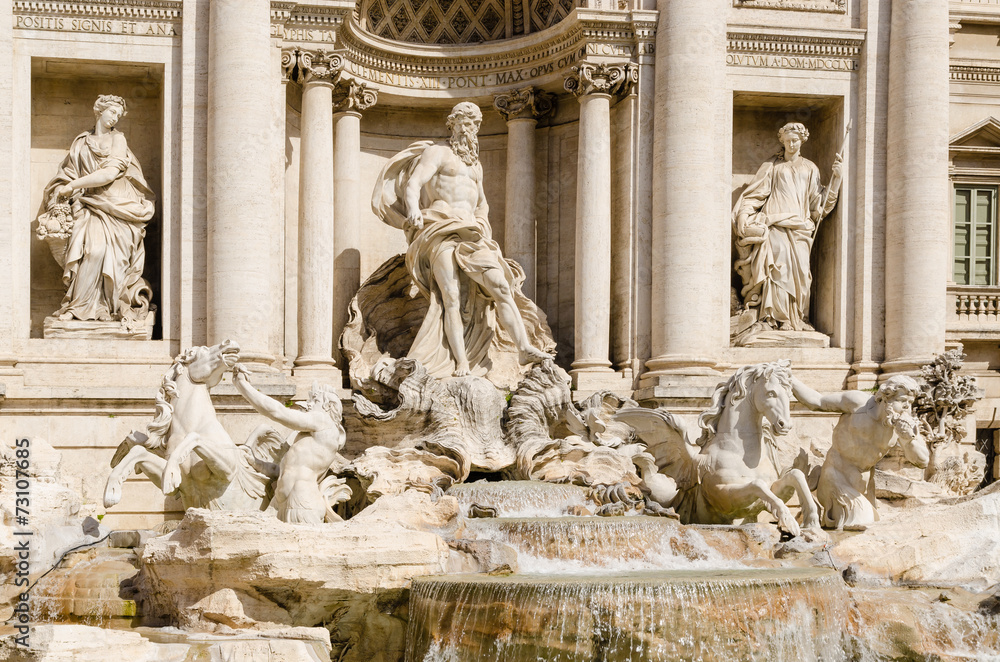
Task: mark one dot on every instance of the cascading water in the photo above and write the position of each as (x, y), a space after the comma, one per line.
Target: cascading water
(599, 544)
(617, 589)
(520, 498)
(87, 591)
(750, 614)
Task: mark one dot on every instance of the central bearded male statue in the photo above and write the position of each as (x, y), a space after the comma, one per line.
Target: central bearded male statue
(434, 193)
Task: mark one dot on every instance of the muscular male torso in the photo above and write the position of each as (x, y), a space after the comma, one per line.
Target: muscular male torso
(861, 439)
(455, 187)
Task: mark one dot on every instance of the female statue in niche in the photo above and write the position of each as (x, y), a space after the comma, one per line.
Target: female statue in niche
(775, 222)
(96, 210)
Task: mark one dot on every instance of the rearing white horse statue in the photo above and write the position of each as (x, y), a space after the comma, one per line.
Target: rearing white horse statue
(186, 450)
(731, 470)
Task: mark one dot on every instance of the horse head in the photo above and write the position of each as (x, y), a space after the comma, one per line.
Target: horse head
(206, 365)
(765, 387)
(771, 392)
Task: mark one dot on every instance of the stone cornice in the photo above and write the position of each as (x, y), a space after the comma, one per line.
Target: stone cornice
(974, 73)
(158, 10)
(975, 11)
(824, 6)
(811, 43)
(798, 48)
(482, 70)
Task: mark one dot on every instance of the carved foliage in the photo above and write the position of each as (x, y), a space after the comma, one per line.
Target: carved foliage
(526, 102)
(306, 66)
(353, 94)
(945, 399)
(601, 78)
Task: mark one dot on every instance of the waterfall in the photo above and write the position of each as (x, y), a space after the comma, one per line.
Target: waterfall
(750, 614)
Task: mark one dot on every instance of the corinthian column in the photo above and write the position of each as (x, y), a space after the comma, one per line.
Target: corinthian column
(240, 209)
(317, 72)
(691, 234)
(350, 98)
(918, 209)
(522, 109)
(594, 84)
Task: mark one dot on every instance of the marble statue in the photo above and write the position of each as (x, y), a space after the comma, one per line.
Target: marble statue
(185, 449)
(731, 470)
(775, 222)
(95, 213)
(863, 435)
(557, 443)
(434, 193)
(307, 486)
(946, 398)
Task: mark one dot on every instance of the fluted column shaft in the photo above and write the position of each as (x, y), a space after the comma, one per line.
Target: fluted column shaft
(691, 233)
(347, 213)
(316, 214)
(592, 315)
(521, 109)
(519, 222)
(350, 98)
(594, 84)
(918, 207)
(239, 177)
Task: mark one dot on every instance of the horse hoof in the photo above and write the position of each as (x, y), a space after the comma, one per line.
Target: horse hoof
(112, 495)
(171, 478)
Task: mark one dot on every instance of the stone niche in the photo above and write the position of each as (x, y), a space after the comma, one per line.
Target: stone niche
(62, 101)
(756, 120)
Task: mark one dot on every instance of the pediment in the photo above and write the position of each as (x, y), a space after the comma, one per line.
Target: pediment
(981, 137)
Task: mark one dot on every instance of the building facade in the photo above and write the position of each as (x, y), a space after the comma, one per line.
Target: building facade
(617, 139)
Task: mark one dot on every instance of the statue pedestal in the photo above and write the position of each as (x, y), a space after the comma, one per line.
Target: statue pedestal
(93, 329)
(788, 339)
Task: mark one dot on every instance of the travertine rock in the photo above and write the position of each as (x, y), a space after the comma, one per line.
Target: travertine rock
(56, 511)
(950, 544)
(274, 572)
(82, 643)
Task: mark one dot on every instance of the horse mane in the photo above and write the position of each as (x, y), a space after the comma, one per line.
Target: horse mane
(735, 389)
(158, 429)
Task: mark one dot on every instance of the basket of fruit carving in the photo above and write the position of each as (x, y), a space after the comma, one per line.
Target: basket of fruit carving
(55, 226)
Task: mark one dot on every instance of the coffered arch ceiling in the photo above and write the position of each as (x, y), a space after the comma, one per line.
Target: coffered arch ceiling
(459, 21)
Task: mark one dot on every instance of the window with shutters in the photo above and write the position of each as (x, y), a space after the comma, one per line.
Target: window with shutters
(975, 235)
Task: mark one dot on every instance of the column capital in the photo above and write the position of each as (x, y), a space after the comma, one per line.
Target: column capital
(351, 94)
(525, 103)
(601, 78)
(305, 66)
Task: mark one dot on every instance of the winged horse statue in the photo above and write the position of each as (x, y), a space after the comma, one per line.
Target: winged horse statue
(186, 450)
(730, 470)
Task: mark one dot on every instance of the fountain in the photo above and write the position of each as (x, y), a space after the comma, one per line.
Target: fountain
(600, 529)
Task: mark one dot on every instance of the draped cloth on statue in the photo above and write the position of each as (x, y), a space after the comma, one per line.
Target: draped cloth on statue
(787, 199)
(475, 252)
(105, 255)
